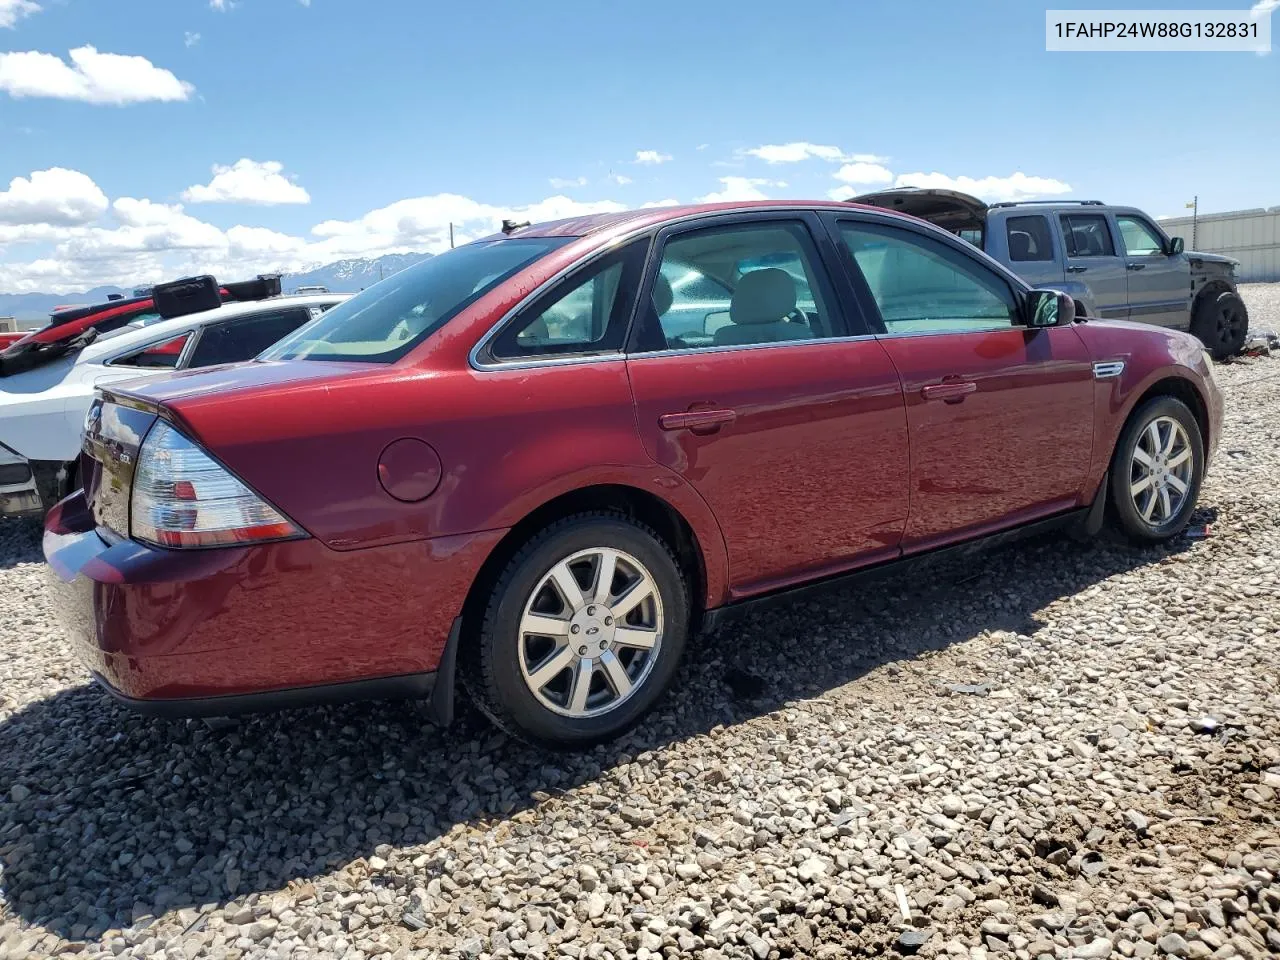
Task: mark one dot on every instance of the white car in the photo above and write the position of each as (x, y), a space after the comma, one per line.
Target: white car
(42, 409)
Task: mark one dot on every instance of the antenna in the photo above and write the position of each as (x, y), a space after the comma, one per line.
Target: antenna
(450, 234)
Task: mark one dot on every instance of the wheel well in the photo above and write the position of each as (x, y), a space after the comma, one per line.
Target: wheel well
(629, 501)
(1211, 287)
(1181, 389)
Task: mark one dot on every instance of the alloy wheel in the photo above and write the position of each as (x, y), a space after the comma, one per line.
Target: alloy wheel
(1160, 471)
(590, 632)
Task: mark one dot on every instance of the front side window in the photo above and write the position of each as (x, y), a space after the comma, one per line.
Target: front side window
(243, 338)
(1029, 239)
(386, 321)
(1139, 237)
(1087, 235)
(922, 285)
(742, 284)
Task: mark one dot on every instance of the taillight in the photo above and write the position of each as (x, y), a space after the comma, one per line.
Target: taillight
(184, 498)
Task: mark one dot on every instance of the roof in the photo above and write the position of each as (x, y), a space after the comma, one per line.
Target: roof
(131, 336)
(655, 216)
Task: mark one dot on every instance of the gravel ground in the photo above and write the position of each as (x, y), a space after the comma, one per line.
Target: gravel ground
(1058, 750)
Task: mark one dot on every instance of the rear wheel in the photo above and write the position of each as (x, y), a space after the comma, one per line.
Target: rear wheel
(1157, 470)
(1221, 321)
(583, 632)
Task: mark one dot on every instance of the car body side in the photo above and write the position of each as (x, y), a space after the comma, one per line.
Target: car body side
(419, 565)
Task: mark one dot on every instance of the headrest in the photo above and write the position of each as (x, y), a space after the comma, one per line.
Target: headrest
(1019, 245)
(763, 296)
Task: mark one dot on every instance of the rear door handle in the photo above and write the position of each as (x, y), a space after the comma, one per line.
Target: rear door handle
(1135, 266)
(1076, 269)
(950, 391)
(699, 421)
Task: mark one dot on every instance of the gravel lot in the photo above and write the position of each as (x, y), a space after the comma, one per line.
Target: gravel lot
(1058, 750)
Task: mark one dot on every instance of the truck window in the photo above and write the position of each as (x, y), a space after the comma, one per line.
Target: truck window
(1140, 238)
(1029, 238)
(1087, 235)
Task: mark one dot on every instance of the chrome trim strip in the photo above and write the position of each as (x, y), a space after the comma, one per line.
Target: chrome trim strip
(1107, 369)
(727, 347)
(547, 362)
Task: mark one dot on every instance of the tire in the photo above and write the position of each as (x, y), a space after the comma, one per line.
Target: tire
(1221, 321)
(525, 681)
(1146, 516)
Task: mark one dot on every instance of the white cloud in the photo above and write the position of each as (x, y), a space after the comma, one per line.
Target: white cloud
(56, 196)
(561, 183)
(190, 39)
(794, 152)
(841, 193)
(863, 173)
(1017, 186)
(774, 153)
(1262, 6)
(739, 188)
(668, 202)
(220, 5)
(651, 157)
(248, 181)
(702, 146)
(11, 11)
(620, 179)
(305, 3)
(92, 77)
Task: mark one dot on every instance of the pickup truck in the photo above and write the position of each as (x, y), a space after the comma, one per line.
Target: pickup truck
(1114, 261)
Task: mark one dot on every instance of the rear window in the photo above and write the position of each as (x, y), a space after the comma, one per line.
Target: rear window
(1029, 239)
(383, 323)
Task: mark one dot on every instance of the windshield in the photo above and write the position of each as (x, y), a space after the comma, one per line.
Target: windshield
(389, 319)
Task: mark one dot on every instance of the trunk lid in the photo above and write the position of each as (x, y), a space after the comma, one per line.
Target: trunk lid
(949, 209)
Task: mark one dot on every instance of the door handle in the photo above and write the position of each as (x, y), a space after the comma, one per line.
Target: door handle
(1135, 266)
(1076, 269)
(949, 391)
(699, 421)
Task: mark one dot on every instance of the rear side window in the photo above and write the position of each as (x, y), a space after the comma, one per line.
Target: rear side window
(386, 321)
(1029, 239)
(243, 338)
(1087, 235)
(586, 313)
(163, 355)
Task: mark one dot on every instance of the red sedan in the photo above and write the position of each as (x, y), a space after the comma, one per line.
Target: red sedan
(537, 463)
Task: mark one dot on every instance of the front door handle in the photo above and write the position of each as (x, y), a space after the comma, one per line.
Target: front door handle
(1135, 266)
(949, 391)
(699, 421)
(1076, 269)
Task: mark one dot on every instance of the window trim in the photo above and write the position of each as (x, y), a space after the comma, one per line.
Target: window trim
(1017, 287)
(1155, 231)
(846, 312)
(1068, 243)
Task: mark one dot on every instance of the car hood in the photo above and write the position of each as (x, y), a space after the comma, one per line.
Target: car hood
(949, 209)
(1196, 255)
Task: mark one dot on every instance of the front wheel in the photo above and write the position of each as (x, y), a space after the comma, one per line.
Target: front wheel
(1221, 321)
(583, 632)
(1157, 470)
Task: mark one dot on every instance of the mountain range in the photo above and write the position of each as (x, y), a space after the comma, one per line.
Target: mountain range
(342, 276)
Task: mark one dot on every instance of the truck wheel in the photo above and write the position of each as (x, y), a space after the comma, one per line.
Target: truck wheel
(1221, 321)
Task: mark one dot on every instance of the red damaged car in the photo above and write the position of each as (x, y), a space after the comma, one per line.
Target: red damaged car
(537, 463)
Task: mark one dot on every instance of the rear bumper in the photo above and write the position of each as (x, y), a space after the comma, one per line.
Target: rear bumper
(218, 631)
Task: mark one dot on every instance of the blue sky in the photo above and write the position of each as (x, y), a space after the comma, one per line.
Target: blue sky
(346, 128)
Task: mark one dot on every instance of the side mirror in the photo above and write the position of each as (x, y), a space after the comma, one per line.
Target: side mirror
(1176, 246)
(1049, 308)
